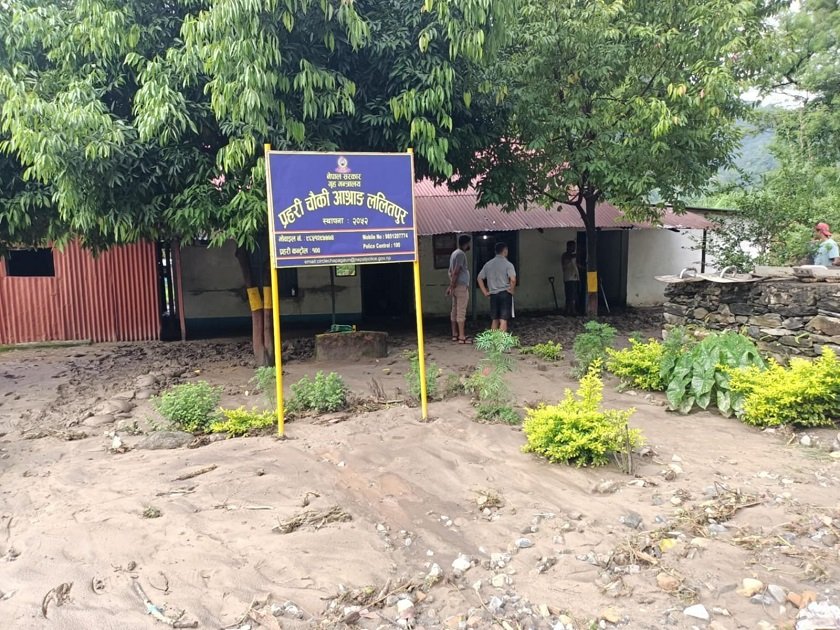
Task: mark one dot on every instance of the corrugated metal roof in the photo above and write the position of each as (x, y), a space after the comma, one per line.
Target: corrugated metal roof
(441, 211)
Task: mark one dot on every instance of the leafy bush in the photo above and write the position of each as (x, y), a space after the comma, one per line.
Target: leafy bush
(326, 393)
(488, 383)
(265, 378)
(189, 406)
(548, 351)
(412, 377)
(700, 375)
(640, 365)
(807, 393)
(238, 422)
(591, 346)
(577, 430)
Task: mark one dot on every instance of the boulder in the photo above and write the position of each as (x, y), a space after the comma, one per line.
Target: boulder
(829, 326)
(161, 440)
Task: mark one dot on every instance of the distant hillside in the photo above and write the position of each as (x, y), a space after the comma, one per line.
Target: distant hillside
(754, 158)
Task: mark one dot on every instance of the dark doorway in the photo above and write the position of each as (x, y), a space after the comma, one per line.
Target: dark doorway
(612, 268)
(484, 244)
(387, 292)
(170, 326)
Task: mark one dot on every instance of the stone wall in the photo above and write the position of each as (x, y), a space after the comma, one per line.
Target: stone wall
(785, 317)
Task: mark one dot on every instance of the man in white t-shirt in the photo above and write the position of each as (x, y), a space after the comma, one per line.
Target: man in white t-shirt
(497, 280)
(827, 254)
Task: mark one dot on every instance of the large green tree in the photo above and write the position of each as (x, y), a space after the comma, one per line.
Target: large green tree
(619, 100)
(145, 119)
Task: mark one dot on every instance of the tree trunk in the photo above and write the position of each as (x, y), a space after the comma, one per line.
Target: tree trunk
(255, 303)
(591, 257)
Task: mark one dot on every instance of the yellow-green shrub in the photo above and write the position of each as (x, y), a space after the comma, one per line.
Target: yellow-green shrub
(807, 393)
(238, 422)
(577, 430)
(640, 365)
(548, 351)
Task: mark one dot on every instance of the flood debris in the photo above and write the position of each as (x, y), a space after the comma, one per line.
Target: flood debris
(315, 519)
(196, 473)
(59, 594)
(157, 613)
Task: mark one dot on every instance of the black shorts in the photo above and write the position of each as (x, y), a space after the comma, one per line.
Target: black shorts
(501, 305)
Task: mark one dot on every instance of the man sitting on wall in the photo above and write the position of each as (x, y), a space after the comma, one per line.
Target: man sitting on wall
(459, 289)
(827, 254)
(497, 280)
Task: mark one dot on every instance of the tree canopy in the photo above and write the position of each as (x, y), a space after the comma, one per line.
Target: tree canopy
(129, 119)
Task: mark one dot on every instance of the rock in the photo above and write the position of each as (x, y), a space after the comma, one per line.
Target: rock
(806, 440)
(676, 459)
(161, 440)
(145, 394)
(698, 611)
(777, 592)
(770, 320)
(667, 583)
(818, 616)
(454, 622)
(829, 540)
(405, 608)
(750, 586)
(606, 487)
(146, 381)
(524, 543)
(829, 326)
(98, 421)
(495, 605)
(633, 520)
(462, 563)
(500, 580)
(610, 614)
(762, 599)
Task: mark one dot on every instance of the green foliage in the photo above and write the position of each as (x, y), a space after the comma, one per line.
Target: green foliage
(640, 365)
(701, 374)
(806, 393)
(577, 430)
(325, 393)
(591, 346)
(488, 383)
(189, 406)
(548, 351)
(612, 101)
(265, 379)
(412, 377)
(239, 422)
(145, 120)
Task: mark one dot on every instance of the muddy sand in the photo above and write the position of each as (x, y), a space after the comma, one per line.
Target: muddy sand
(390, 522)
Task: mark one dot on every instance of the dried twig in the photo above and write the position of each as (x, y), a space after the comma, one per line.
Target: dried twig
(196, 473)
(59, 594)
(313, 518)
(165, 588)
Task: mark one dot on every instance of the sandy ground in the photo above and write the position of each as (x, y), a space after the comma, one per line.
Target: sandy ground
(71, 511)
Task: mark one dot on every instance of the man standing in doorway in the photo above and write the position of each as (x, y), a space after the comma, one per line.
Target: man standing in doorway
(827, 255)
(571, 277)
(459, 289)
(497, 280)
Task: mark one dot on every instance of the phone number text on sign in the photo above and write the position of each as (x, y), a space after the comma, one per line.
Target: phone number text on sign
(331, 209)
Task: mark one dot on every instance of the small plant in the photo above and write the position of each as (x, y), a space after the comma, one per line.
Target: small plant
(325, 393)
(701, 374)
(576, 430)
(591, 346)
(640, 365)
(152, 512)
(548, 351)
(412, 377)
(488, 383)
(453, 386)
(265, 379)
(189, 406)
(807, 393)
(239, 422)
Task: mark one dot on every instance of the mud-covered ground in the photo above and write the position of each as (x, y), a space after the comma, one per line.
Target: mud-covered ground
(389, 521)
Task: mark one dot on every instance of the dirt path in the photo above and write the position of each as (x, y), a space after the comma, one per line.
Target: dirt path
(417, 495)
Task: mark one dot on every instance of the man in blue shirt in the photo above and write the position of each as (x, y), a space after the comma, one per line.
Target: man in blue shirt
(827, 254)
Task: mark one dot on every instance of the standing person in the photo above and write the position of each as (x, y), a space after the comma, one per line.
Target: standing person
(459, 289)
(571, 277)
(828, 254)
(497, 281)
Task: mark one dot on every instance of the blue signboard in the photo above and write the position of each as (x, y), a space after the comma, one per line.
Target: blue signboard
(341, 208)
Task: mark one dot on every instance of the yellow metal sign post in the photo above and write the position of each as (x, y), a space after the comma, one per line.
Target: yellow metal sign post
(338, 209)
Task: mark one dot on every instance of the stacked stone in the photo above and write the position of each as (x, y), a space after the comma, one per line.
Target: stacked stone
(784, 317)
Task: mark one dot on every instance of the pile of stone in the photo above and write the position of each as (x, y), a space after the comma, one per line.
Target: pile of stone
(784, 316)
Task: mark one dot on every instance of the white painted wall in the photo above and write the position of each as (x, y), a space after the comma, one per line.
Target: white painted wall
(658, 253)
(213, 287)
